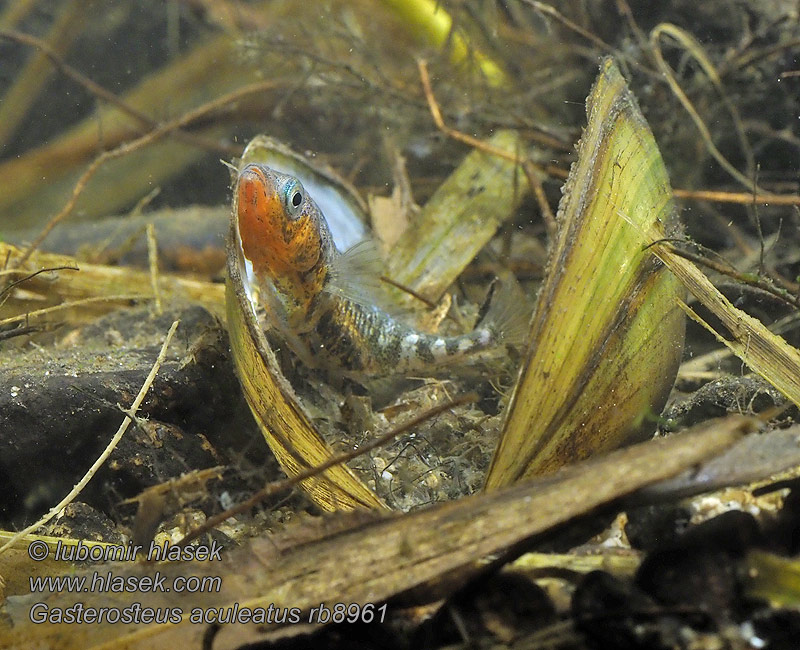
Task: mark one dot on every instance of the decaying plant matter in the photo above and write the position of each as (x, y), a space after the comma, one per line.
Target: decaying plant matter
(457, 122)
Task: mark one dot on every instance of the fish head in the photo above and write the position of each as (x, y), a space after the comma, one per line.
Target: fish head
(284, 239)
(279, 224)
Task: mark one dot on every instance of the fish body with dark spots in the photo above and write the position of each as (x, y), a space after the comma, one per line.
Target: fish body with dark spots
(320, 299)
(366, 340)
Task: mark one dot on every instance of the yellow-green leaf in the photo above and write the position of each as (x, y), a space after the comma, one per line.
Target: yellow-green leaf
(607, 333)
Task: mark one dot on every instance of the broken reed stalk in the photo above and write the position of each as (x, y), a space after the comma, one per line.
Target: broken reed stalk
(745, 278)
(130, 415)
(71, 305)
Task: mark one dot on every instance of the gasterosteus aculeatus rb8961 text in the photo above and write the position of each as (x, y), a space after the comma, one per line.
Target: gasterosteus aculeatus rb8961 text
(314, 294)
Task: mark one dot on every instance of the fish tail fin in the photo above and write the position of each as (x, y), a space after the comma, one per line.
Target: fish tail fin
(507, 311)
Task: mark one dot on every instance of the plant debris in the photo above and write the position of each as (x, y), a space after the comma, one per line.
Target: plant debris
(125, 110)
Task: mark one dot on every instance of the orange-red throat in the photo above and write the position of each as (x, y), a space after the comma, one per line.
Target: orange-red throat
(282, 247)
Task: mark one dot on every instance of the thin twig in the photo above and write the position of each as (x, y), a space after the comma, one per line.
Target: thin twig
(541, 198)
(754, 55)
(693, 48)
(152, 257)
(531, 169)
(28, 83)
(757, 219)
(436, 113)
(589, 36)
(134, 145)
(557, 15)
(69, 305)
(102, 254)
(409, 291)
(625, 9)
(130, 414)
(106, 95)
(287, 483)
(745, 278)
(33, 275)
(743, 198)
(22, 330)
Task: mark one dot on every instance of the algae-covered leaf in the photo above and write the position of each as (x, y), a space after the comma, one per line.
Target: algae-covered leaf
(607, 333)
(458, 220)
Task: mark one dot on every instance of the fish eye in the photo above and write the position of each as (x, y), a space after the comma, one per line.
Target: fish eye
(293, 196)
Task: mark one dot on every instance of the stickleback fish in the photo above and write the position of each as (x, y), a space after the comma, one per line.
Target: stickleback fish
(317, 298)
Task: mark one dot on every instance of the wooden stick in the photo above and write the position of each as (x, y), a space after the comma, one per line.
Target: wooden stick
(130, 415)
